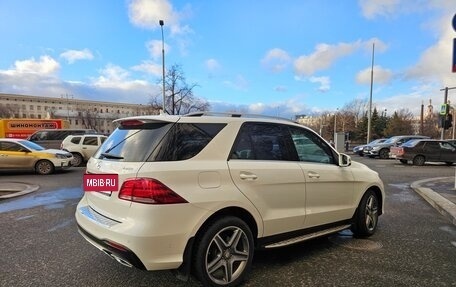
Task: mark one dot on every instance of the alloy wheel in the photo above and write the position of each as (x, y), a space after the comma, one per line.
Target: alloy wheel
(227, 255)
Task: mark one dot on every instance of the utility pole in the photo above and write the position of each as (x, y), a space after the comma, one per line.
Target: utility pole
(369, 116)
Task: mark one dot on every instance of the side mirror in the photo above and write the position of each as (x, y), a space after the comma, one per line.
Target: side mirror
(344, 160)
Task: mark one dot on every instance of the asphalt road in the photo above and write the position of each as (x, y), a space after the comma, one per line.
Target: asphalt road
(414, 245)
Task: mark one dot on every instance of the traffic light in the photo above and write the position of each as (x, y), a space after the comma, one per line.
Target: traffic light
(448, 122)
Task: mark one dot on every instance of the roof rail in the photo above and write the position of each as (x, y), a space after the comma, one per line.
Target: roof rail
(233, 115)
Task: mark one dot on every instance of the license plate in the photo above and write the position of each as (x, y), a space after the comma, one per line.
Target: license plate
(101, 182)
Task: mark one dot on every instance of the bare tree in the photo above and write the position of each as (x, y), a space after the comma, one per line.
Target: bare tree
(179, 94)
(356, 110)
(89, 118)
(431, 126)
(401, 123)
(6, 111)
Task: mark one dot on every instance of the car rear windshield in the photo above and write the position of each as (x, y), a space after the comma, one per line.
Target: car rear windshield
(411, 143)
(158, 142)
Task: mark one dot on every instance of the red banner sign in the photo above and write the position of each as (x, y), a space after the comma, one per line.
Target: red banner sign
(101, 182)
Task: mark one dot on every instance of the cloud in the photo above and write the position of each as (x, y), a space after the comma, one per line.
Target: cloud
(276, 60)
(149, 68)
(113, 76)
(323, 57)
(372, 8)
(147, 13)
(155, 49)
(45, 66)
(212, 65)
(381, 76)
(434, 64)
(286, 109)
(239, 83)
(74, 55)
(325, 83)
(280, 89)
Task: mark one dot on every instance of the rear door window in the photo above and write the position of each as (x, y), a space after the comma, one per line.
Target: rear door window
(263, 141)
(185, 140)
(158, 141)
(89, 140)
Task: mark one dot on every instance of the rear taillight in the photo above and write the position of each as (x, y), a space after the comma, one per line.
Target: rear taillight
(400, 151)
(148, 190)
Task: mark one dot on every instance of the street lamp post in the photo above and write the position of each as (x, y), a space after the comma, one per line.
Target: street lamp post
(369, 115)
(161, 22)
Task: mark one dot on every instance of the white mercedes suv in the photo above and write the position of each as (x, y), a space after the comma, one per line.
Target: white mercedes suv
(199, 193)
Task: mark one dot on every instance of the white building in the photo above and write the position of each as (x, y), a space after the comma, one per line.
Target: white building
(79, 113)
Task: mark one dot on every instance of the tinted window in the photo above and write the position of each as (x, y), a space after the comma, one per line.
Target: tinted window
(311, 147)
(10, 146)
(261, 141)
(133, 143)
(157, 142)
(90, 141)
(184, 141)
(76, 140)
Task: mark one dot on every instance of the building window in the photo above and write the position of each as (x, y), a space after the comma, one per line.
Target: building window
(38, 108)
(24, 115)
(31, 107)
(39, 116)
(77, 122)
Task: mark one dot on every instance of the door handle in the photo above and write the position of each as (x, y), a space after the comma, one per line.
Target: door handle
(312, 174)
(248, 176)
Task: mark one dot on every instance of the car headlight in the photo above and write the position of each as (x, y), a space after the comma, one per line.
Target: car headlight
(62, 156)
(367, 148)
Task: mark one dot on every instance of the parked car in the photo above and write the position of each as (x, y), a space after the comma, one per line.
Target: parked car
(82, 146)
(52, 138)
(200, 192)
(382, 150)
(20, 154)
(359, 149)
(422, 151)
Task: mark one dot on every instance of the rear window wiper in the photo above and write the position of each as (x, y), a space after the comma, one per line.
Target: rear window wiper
(111, 156)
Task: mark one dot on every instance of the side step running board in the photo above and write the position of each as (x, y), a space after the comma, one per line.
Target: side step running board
(307, 236)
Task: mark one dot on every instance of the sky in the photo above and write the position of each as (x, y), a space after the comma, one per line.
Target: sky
(280, 58)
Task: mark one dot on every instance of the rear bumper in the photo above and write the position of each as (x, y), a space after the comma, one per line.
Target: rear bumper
(120, 253)
(147, 238)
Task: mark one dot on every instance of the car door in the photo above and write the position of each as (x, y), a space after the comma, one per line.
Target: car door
(329, 187)
(447, 152)
(13, 155)
(89, 146)
(263, 168)
(432, 151)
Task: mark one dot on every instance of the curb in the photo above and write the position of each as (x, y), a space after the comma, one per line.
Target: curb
(443, 205)
(13, 189)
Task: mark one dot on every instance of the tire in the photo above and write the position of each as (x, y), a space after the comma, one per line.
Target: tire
(227, 242)
(77, 159)
(403, 161)
(419, 160)
(383, 153)
(365, 220)
(44, 167)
